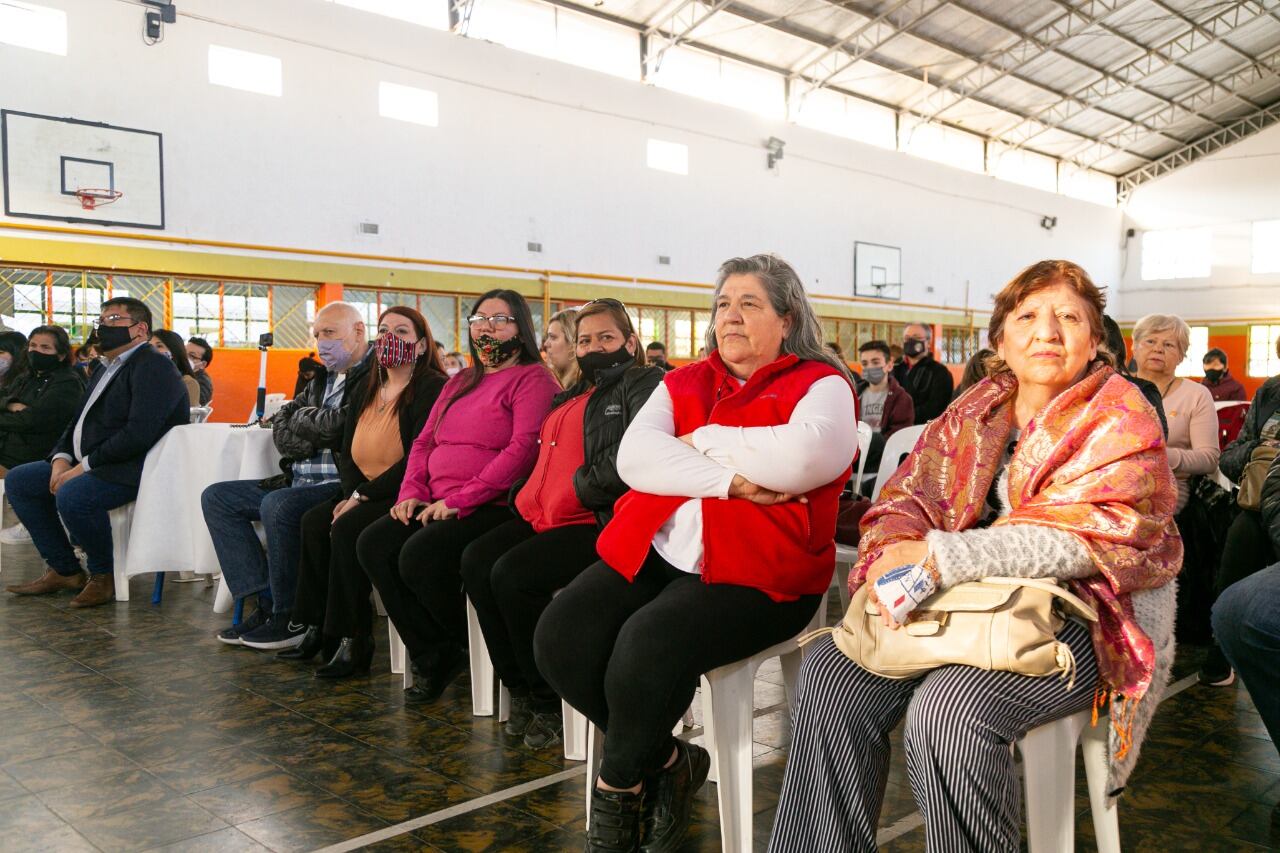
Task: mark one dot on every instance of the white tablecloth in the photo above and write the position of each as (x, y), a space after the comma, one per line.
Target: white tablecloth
(169, 533)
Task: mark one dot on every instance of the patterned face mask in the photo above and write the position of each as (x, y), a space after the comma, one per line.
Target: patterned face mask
(395, 352)
(494, 352)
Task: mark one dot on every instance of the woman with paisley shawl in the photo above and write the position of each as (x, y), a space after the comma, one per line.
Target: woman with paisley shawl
(1069, 460)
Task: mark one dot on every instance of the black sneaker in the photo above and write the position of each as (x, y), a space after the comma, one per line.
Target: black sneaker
(278, 632)
(615, 821)
(231, 636)
(545, 729)
(668, 798)
(1215, 671)
(518, 716)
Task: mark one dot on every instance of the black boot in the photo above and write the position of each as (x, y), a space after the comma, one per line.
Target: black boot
(615, 821)
(354, 656)
(433, 673)
(668, 799)
(519, 716)
(312, 643)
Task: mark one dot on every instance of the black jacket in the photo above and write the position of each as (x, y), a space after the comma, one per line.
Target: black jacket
(303, 426)
(413, 418)
(930, 385)
(146, 398)
(1269, 505)
(1265, 403)
(51, 399)
(620, 393)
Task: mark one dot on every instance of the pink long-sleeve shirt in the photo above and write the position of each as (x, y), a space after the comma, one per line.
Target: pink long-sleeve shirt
(486, 441)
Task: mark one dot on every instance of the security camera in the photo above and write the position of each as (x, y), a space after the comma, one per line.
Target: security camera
(774, 146)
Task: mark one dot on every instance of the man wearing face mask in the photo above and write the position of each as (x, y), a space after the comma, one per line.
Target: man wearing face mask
(929, 383)
(307, 431)
(200, 354)
(1221, 384)
(97, 463)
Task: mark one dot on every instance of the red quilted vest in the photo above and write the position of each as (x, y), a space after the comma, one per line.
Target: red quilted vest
(785, 550)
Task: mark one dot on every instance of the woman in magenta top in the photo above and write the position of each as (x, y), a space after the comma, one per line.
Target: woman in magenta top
(481, 437)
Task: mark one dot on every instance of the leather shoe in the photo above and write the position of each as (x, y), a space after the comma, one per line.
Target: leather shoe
(431, 680)
(353, 657)
(49, 582)
(615, 821)
(312, 642)
(668, 799)
(99, 590)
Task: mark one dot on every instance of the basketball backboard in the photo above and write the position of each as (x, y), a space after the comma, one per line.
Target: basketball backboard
(877, 270)
(46, 160)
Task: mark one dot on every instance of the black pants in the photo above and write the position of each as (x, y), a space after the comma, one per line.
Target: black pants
(333, 591)
(416, 570)
(628, 655)
(510, 575)
(1248, 549)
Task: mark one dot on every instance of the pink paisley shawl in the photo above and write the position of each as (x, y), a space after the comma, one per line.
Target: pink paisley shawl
(1093, 463)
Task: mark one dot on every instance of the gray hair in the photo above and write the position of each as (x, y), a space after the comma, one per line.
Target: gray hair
(1164, 323)
(928, 330)
(786, 294)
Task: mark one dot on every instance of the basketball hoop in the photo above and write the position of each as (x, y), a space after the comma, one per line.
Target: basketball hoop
(91, 197)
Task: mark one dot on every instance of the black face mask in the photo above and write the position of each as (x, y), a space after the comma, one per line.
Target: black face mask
(43, 362)
(913, 347)
(113, 337)
(1214, 376)
(594, 363)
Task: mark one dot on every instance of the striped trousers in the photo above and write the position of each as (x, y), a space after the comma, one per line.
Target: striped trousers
(960, 721)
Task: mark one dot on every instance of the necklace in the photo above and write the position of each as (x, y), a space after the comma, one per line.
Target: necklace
(1165, 392)
(383, 399)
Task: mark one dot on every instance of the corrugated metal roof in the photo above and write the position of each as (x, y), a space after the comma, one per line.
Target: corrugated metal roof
(1128, 87)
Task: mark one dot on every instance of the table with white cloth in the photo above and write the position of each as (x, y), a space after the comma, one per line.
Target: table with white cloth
(168, 532)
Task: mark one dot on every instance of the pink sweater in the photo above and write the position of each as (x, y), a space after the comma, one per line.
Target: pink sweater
(486, 442)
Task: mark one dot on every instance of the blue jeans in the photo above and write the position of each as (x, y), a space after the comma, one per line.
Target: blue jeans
(1246, 622)
(230, 509)
(81, 506)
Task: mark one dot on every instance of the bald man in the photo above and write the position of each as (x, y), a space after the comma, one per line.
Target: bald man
(307, 430)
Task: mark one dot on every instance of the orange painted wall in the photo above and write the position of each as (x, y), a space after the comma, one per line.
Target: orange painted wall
(235, 380)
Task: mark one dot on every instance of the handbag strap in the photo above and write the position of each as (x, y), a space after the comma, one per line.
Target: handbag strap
(1074, 602)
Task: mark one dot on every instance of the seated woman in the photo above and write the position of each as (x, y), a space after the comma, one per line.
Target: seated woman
(512, 571)
(37, 408)
(1160, 343)
(13, 361)
(723, 547)
(559, 345)
(170, 345)
(1073, 455)
(481, 436)
(387, 414)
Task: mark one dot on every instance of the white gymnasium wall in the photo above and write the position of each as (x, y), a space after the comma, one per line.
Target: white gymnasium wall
(1226, 192)
(527, 149)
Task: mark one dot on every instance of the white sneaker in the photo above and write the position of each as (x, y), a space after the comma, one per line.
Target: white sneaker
(16, 535)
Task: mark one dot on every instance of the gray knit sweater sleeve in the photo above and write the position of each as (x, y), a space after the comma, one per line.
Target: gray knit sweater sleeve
(1014, 550)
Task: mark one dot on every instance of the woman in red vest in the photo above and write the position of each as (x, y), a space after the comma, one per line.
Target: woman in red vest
(511, 572)
(722, 548)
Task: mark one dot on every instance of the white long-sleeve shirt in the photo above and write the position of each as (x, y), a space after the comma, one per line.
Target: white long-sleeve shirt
(808, 451)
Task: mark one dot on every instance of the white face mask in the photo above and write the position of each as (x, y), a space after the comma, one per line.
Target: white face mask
(453, 371)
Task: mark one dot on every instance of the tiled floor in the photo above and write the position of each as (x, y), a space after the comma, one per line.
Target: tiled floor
(128, 727)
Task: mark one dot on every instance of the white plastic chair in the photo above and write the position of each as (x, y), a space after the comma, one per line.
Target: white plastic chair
(1049, 776)
(121, 524)
(728, 710)
(200, 414)
(483, 681)
(896, 446)
(1226, 404)
(864, 445)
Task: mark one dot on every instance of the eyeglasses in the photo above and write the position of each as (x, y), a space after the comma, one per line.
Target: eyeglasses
(497, 321)
(112, 319)
(1152, 343)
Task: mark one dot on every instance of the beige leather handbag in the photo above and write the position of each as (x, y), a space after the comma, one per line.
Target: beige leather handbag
(1008, 624)
(1255, 473)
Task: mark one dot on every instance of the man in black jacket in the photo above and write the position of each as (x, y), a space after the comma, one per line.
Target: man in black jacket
(929, 383)
(307, 431)
(97, 463)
